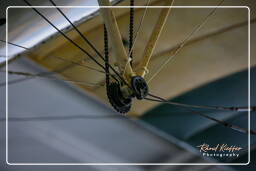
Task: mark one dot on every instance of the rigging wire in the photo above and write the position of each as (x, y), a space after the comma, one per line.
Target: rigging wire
(79, 64)
(27, 74)
(43, 74)
(15, 44)
(65, 36)
(60, 58)
(183, 43)
(81, 116)
(139, 27)
(237, 109)
(77, 30)
(39, 74)
(137, 31)
(207, 35)
(87, 41)
(224, 123)
(62, 117)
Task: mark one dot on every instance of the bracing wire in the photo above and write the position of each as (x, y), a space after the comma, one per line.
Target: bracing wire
(44, 74)
(59, 58)
(237, 109)
(88, 42)
(69, 39)
(183, 43)
(224, 123)
(137, 33)
(27, 74)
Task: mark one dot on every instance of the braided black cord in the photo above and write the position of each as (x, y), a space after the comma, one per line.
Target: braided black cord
(115, 98)
(131, 29)
(106, 56)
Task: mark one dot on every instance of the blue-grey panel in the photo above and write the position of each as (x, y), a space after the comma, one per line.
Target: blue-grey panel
(194, 129)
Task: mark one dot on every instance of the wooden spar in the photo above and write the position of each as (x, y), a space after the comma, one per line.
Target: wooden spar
(115, 39)
(142, 67)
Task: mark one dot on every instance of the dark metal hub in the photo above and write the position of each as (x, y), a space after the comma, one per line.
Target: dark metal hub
(116, 98)
(140, 87)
